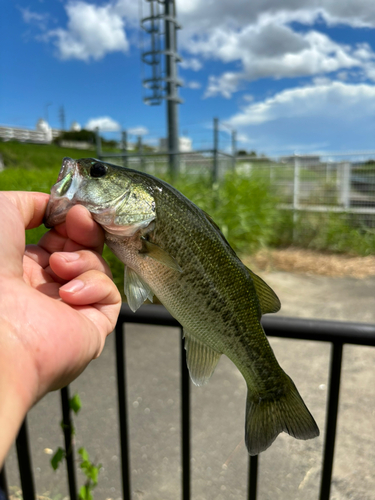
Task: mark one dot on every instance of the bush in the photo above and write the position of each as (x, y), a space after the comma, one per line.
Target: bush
(242, 207)
(333, 232)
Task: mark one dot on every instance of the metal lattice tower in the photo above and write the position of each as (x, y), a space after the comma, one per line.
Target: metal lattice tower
(162, 81)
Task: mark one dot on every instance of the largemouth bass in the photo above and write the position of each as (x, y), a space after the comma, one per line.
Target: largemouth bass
(174, 250)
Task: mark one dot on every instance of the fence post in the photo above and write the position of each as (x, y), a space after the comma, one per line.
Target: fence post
(234, 148)
(345, 184)
(68, 438)
(296, 183)
(215, 172)
(331, 419)
(24, 463)
(296, 190)
(3, 483)
(140, 152)
(98, 143)
(123, 413)
(124, 146)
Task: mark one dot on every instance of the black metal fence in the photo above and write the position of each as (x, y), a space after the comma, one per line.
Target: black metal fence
(336, 333)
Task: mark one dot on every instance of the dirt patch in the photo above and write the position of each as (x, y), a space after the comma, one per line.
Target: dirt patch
(297, 260)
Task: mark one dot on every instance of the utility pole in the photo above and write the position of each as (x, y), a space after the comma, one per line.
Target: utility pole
(46, 108)
(163, 82)
(62, 117)
(171, 59)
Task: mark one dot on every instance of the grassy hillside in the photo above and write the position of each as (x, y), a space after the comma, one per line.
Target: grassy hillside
(41, 156)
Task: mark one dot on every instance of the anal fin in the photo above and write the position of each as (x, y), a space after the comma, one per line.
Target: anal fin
(201, 359)
(136, 290)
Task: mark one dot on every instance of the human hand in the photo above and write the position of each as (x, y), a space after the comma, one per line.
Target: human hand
(57, 302)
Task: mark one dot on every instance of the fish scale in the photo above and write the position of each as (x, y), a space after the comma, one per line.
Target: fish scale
(174, 250)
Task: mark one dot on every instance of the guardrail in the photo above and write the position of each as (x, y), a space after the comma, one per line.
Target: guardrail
(334, 332)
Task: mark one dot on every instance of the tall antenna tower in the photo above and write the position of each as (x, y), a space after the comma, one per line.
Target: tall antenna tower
(160, 58)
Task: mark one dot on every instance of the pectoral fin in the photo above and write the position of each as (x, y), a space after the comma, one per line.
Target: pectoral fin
(201, 359)
(155, 252)
(269, 301)
(136, 290)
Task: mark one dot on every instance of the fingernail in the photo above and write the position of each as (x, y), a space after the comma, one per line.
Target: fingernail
(73, 286)
(70, 256)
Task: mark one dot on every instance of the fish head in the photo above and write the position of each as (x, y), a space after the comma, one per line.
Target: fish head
(115, 197)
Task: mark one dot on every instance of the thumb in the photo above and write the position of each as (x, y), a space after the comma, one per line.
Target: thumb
(19, 210)
(31, 206)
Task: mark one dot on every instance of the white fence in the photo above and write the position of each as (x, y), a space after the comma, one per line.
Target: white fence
(335, 184)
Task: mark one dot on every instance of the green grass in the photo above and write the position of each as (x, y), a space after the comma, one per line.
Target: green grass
(40, 156)
(328, 232)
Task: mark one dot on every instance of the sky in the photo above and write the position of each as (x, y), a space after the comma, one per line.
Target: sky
(296, 76)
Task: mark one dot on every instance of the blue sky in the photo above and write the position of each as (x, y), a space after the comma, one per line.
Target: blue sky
(291, 76)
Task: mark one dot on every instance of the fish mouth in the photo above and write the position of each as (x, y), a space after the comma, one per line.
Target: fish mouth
(68, 164)
(56, 211)
(61, 199)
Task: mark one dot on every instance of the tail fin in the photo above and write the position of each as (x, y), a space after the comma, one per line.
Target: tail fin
(266, 418)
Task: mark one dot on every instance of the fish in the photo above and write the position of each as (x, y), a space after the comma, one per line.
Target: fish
(173, 250)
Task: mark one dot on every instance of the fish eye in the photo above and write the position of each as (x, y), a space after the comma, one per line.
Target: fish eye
(98, 170)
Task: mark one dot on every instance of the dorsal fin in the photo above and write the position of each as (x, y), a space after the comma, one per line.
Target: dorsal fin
(268, 300)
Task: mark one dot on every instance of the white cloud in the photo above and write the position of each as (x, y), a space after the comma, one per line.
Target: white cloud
(191, 63)
(39, 19)
(335, 116)
(104, 123)
(267, 50)
(199, 15)
(92, 31)
(343, 76)
(138, 130)
(225, 85)
(321, 80)
(334, 100)
(259, 37)
(248, 97)
(192, 85)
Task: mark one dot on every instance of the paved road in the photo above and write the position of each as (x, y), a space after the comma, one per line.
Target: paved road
(289, 470)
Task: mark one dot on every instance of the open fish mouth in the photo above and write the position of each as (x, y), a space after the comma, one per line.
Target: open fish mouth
(62, 194)
(68, 164)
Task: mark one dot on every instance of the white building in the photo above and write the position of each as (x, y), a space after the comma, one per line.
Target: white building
(43, 133)
(75, 127)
